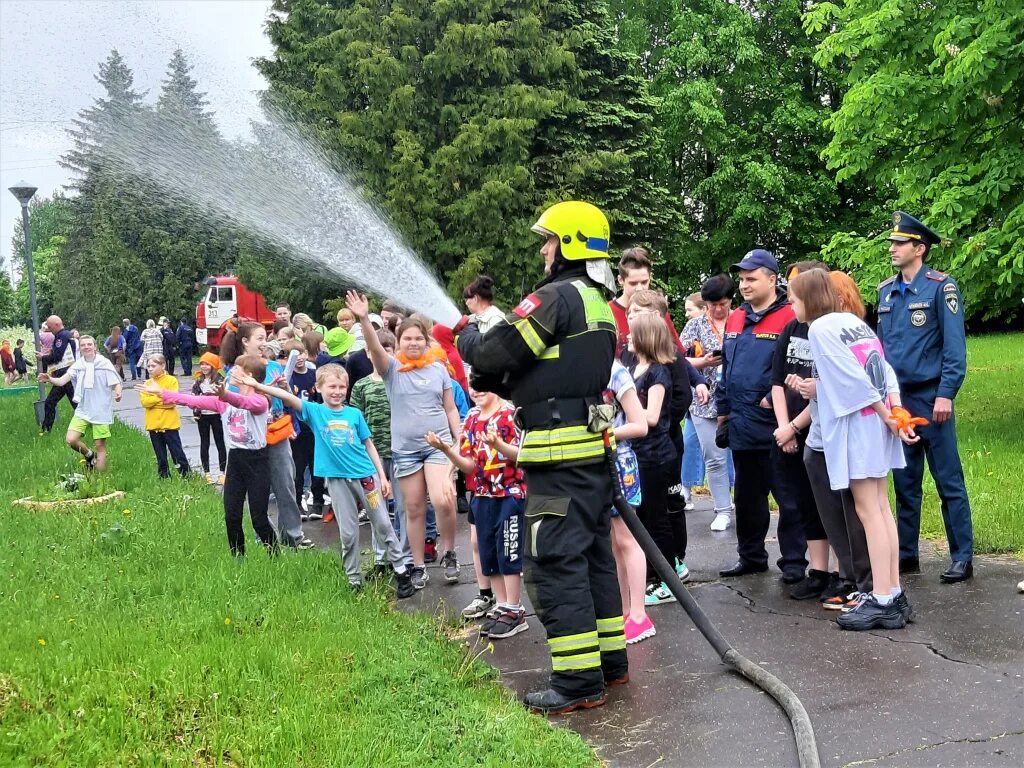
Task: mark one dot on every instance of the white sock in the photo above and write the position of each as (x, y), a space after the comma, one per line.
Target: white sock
(896, 591)
(883, 599)
(686, 493)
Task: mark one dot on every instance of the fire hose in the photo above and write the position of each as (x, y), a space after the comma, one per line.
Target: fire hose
(807, 748)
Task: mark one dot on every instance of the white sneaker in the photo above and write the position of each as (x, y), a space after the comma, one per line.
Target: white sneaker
(721, 522)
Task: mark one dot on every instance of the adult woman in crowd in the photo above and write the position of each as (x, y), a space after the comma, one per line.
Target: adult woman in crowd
(479, 298)
(115, 346)
(708, 330)
(152, 344)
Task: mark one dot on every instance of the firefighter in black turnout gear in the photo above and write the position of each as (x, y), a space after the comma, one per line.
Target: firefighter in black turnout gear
(553, 356)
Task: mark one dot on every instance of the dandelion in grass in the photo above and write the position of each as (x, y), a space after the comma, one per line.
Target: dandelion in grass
(41, 642)
(227, 621)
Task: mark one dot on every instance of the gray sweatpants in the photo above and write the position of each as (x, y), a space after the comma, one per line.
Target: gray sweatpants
(379, 551)
(282, 483)
(839, 519)
(346, 496)
(716, 464)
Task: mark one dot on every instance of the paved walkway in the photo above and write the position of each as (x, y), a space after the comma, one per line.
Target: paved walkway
(946, 691)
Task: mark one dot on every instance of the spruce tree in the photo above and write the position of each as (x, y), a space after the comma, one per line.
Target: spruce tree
(465, 119)
(91, 267)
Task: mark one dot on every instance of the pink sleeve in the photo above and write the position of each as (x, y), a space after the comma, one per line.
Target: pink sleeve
(205, 402)
(254, 403)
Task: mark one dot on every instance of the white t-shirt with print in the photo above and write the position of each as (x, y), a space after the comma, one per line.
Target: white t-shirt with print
(852, 375)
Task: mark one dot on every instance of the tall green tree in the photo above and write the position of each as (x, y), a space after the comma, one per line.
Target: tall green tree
(50, 221)
(464, 119)
(934, 117)
(180, 98)
(90, 261)
(132, 250)
(742, 106)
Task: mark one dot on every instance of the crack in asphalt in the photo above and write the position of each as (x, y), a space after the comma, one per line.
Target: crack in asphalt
(926, 747)
(753, 607)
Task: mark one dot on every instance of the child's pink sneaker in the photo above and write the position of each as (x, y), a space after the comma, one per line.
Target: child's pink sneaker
(637, 631)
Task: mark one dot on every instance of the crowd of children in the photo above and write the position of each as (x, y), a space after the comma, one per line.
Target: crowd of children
(378, 419)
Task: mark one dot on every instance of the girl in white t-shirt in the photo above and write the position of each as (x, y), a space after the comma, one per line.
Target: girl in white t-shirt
(856, 390)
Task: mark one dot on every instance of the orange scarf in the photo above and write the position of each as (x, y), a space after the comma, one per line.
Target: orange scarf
(431, 356)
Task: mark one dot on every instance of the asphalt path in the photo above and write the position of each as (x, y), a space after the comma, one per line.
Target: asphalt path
(948, 690)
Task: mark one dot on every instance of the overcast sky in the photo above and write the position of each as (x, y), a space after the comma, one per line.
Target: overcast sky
(50, 52)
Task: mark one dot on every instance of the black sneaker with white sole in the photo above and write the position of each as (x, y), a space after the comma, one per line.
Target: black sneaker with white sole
(419, 577)
(489, 621)
(870, 614)
(509, 622)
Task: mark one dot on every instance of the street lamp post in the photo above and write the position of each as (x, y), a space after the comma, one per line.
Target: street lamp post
(24, 192)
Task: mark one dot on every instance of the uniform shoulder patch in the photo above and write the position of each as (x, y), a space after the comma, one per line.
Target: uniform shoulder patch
(527, 306)
(949, 288)
(886, 282)
(934, 274)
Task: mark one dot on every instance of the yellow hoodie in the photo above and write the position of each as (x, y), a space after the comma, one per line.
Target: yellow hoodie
(160, 417)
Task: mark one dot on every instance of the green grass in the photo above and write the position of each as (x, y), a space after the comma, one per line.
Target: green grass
(989, 416)
(129, 636)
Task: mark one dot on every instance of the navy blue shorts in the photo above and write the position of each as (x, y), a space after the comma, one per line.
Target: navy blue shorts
(499, 531)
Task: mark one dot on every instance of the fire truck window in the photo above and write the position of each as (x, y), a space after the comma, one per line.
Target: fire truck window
(212, 295)
(226, 293)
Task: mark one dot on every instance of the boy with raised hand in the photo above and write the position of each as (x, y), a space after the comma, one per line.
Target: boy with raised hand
(347, 459)
(96, 387)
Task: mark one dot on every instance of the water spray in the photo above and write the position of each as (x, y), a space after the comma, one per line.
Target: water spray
(285, 190)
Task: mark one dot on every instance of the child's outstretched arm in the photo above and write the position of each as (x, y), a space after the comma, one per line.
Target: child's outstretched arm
(166, 398)
(57, 381)
(288, 398)
(463, 463)
(359, 307)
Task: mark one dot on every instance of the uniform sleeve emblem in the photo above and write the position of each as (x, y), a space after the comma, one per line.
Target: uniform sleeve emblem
(949, 288)
(952, 302)
(527, 306)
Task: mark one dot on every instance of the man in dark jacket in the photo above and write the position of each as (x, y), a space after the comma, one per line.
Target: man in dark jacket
(184, 338)
(132, 347)
(744, 402)
(170, 344)
(62, 355)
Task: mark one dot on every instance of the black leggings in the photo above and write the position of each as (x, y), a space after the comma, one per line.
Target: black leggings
(248, 474)
(168, 441)
(655, 480)
(211, 422)
(303, 455)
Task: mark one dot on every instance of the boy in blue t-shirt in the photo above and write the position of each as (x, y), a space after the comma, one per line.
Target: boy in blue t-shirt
(347, 459)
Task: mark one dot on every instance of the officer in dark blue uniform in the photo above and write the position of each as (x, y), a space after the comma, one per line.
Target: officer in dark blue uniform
(921, 325)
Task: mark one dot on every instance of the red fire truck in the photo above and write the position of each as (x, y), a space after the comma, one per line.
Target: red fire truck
(225, 298)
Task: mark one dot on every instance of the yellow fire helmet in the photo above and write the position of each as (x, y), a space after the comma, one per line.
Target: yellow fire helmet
(583, 232)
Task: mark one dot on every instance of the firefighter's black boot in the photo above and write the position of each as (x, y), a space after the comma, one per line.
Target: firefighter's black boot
(551, 702)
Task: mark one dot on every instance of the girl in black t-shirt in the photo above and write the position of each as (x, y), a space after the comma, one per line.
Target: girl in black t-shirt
(657, 458)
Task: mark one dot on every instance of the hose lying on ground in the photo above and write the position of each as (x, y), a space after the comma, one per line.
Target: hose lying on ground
(806, 746)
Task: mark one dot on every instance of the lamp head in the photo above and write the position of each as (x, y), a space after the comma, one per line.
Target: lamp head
(23, 191)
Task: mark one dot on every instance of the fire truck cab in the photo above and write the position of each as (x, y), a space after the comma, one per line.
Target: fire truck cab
(226, 297)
